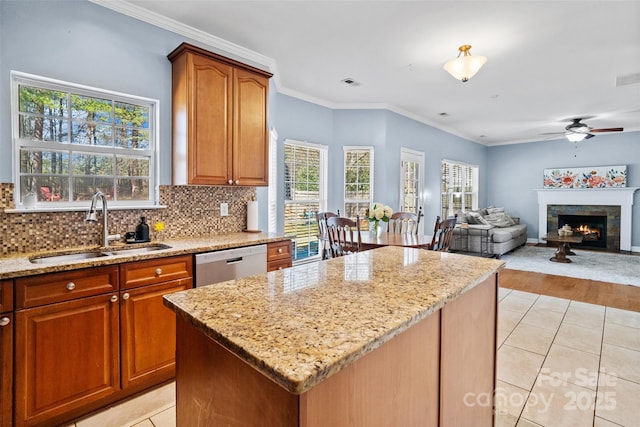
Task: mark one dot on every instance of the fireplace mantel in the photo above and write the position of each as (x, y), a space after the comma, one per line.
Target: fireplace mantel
(622, 197)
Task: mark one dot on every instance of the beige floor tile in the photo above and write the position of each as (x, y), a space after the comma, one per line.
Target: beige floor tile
(133, 410)
(503, 292)
(621, 362)
(502, 336)
(552, 403)
(545, 319)
(621, 336)
(145, 423)
(509, 401)
(585, 315)
(518, 367)
(580, 338)
(525, 295)
(166, 418)
(507, 319)
(552, 303)
(516, 303)
(571, 365)
(600, 422)
(618, 401)
(623, 317)
(526, 423)
(531, 338)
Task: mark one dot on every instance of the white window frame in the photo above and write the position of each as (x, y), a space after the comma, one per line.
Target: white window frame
(322, 185)
(475, 170)
(408, 155)
(350, 148)
(153, 153)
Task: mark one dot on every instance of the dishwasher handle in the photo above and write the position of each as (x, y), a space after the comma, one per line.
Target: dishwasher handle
(235, 260)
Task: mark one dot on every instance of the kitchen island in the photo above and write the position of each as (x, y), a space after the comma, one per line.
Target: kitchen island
(391, 336)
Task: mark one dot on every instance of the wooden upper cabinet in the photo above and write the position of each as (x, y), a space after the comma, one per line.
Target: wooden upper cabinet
(219, 120)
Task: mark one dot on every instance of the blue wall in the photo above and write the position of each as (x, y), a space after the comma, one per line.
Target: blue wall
(84, 43)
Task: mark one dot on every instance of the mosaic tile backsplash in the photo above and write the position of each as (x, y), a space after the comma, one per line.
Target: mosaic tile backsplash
(192, 211)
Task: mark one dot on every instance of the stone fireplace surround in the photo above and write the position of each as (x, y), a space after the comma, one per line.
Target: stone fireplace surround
(622, 197)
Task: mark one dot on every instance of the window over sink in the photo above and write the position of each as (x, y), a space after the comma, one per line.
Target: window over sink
(70, 141)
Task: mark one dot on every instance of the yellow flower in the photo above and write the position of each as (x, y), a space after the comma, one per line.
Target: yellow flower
(159, 226)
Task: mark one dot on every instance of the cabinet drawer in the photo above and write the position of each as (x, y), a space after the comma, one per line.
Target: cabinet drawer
(6, 295)
(153, 271)
(64, 286)
(279, 250)
(278, 264)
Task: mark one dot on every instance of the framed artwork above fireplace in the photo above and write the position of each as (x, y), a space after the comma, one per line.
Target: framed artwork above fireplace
(586, 177)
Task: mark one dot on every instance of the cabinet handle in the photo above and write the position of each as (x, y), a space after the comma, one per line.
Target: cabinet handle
(5, 321)
(125, 296)
(158, 271)
(71, 286)
(279, 250)
(114, 298)
(230, 181)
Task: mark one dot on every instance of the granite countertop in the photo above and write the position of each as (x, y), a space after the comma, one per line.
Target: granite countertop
(300, 325)
(19, 265)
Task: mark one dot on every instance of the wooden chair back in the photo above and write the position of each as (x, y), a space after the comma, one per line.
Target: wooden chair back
(442, 234)
(344, 235)
(323, 238)
(404, 222)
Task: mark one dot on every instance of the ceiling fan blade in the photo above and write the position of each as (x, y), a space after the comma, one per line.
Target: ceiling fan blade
(589, 136)
(607, 130)
(552, 133)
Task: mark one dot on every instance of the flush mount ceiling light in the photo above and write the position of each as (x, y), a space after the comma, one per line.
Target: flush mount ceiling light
(466, 66)
(575, 137)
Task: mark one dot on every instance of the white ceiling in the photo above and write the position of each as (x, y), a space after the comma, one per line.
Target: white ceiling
(548, 61)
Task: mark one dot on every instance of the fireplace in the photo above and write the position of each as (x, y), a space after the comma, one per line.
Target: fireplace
(593, 229)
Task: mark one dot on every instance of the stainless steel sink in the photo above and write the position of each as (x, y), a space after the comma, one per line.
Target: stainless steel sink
(136, 251)
(79, 256)
(62, 259)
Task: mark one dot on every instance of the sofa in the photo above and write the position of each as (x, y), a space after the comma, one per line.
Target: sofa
(490, 231)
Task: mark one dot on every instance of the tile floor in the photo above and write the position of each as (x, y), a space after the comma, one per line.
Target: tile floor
(560, 363)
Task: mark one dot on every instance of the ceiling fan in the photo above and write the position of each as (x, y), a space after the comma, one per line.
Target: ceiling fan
(577, 131)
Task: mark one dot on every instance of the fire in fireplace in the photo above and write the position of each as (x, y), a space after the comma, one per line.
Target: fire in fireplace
(592, 227)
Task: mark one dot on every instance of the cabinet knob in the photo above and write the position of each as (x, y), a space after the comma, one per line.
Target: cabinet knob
(230, 181)
(5, 321)
(280, 268)
(279, 250)
(71, 286)
(125, 296)
(158, 271)
(237, 182)
(114, 298)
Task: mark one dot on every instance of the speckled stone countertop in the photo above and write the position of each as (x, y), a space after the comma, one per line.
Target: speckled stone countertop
(19, 265)
(300, 325)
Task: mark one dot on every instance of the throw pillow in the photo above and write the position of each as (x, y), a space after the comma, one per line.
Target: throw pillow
(492, 210)
(499, 219)
(476, 217)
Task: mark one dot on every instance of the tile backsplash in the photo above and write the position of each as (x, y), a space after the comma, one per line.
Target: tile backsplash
(191, 211)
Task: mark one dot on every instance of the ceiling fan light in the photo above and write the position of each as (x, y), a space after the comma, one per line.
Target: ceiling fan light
(576, 137)
(466, 66)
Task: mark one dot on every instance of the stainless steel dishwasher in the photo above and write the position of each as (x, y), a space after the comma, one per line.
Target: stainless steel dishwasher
(214, 267)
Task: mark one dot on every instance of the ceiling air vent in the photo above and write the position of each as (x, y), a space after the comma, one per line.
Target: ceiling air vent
(351, 82)
(629, 79)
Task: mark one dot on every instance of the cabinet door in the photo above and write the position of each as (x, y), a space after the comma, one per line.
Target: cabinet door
(210, 106)
(148, 331)
(69, 358)
(250, 141)
(6, 368)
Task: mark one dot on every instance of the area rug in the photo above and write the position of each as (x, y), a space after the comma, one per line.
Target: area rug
(594, 265)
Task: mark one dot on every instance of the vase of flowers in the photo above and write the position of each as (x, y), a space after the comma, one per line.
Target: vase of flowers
(159, 229)
(377, 213)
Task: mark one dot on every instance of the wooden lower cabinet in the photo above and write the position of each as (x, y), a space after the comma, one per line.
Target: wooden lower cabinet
(6, 369)
(67, 357)
(279, 255)
(148, 332)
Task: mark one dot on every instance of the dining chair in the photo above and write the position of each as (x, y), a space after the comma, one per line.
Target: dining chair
(323, 239)
(344, 235)
(404, 222)
(442, 234)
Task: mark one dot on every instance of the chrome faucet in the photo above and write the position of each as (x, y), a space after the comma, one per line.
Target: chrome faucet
(92, 217)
